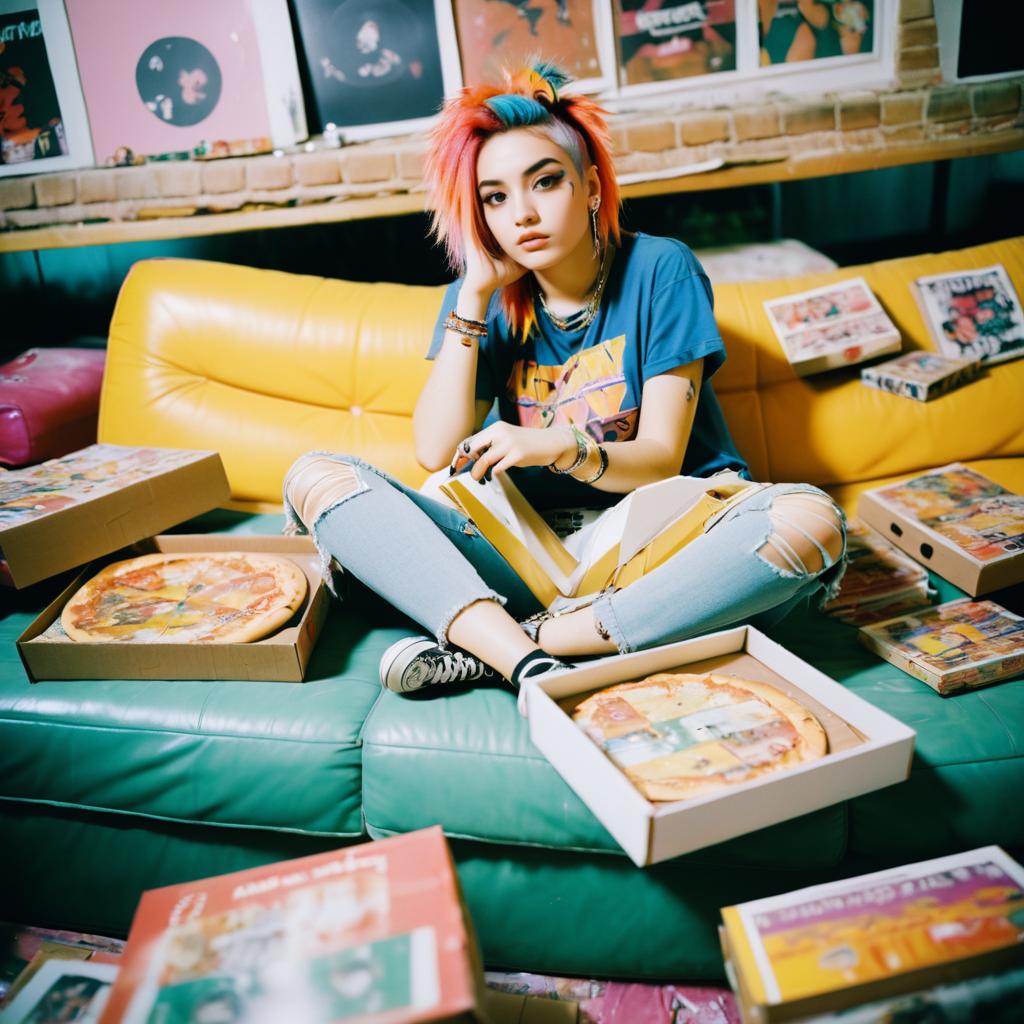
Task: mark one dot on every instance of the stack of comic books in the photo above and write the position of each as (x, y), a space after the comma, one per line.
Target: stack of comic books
(939, 934)
(954, 646)
(880, 581)
(833, 326)
(920, 375)
(372, 933)
(973, 314)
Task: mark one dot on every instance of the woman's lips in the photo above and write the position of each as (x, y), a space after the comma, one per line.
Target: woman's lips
(534, 242)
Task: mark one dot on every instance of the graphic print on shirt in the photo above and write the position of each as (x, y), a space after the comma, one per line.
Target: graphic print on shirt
(588, 390)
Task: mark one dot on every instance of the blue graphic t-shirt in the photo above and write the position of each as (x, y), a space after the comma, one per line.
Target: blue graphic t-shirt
(655, 315)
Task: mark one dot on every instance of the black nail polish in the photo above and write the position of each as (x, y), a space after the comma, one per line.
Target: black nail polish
(451, 471)
(487, 475)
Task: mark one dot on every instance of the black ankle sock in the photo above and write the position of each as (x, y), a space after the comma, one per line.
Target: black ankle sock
(532, 664)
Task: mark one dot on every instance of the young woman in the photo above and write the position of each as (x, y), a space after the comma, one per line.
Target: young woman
(598, 348)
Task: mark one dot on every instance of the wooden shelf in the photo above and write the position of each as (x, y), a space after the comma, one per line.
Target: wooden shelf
(793, 168)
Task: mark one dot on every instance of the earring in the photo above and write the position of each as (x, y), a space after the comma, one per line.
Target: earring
(595, 205)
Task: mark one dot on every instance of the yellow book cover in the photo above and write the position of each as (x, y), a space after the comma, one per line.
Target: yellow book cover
(633, 537)
(880, 931)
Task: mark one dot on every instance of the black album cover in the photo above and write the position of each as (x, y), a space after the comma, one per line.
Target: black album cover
(371, 61)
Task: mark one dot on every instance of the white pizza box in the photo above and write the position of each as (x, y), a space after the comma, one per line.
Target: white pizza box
(125, 494)
(280, 657)
(868, 749)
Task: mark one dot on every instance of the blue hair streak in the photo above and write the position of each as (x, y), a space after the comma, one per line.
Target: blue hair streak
(515, 111)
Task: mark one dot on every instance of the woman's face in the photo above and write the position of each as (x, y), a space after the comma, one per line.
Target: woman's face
(533, 199)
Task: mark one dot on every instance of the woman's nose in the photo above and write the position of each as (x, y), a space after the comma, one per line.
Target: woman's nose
(525, 212)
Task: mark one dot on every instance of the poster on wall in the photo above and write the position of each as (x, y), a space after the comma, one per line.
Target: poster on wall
(499, 34)
(43, 126)
(378, 67)
(662, 40)
(799, 30)
(166, 78)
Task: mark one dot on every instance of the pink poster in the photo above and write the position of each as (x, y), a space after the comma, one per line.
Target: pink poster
(161, 77)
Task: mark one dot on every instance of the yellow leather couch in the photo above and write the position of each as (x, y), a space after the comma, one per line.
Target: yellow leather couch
(263, 366)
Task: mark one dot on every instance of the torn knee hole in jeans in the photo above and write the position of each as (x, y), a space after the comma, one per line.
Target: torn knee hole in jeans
(806, 536)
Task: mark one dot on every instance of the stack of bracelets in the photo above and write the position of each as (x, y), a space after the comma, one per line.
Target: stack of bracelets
(468, 328)
(584, 446)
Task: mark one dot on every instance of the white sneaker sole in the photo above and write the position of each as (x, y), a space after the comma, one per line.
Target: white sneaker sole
(395, 660)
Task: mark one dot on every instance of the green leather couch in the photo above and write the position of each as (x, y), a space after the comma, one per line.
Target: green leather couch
(111, 787)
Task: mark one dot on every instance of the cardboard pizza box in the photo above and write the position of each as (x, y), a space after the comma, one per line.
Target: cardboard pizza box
(375, 932)
(867, 749)
(281, 657)
(67, 511)
(956, 521)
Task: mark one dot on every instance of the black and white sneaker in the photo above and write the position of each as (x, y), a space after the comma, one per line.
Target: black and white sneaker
(417, 661)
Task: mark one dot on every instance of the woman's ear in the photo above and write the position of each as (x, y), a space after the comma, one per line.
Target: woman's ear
(593, 183)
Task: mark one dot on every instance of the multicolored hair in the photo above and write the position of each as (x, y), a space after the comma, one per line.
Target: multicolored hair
(529, 98)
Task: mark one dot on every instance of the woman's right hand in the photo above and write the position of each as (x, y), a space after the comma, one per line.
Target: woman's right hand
(485, 274)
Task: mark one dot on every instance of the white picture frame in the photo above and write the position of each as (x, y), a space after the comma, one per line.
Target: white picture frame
(64, 71)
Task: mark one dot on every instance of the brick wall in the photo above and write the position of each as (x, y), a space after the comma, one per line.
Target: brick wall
(918, 109)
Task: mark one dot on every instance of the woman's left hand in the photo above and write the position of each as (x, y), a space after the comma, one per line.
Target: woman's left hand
(502, 445)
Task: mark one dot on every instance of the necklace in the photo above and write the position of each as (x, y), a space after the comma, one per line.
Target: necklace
(582, 317)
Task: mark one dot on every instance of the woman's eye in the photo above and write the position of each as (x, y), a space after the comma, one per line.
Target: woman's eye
(549, 181)
(493, 198)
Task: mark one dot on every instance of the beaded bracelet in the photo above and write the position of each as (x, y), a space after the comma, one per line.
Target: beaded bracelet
(466, 327)
(601, 469)
(582, 452)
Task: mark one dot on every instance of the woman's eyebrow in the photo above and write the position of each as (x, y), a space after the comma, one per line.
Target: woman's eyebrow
(532, 169)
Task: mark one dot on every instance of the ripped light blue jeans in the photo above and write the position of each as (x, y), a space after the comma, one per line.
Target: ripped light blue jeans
(430, 562)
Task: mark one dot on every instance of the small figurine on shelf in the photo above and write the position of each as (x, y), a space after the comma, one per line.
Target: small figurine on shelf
(332, 137)
(123, 157)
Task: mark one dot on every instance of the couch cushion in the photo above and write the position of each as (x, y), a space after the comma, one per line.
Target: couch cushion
(196, 751)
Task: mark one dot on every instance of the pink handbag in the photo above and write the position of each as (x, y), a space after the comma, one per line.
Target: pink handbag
(49, 402)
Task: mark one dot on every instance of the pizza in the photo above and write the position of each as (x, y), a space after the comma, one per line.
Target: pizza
(212, 597)
(678, 736)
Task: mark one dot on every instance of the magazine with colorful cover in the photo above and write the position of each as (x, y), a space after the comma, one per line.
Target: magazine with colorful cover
(43, 124)
(62, 990)
(981, 518)
(375, 933)
(973, 314)
(880, 581)
(920, 375)
(845, 943)
(836, 325)
(954, 646)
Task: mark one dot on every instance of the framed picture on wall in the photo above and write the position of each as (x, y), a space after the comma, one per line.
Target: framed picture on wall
(668, 40)
(793, 31)
(164, 78)
(574, 34)
(971, 45)
(378, 67)
(43, 125)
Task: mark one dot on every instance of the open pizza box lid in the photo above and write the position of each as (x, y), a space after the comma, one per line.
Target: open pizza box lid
(867, 749)
(67, 511)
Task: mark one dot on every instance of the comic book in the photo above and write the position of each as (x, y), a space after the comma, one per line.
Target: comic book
(375, 933)
(836, 325)
(842, 944)
(973, 314)
(958, 645)
(880, 581)
(62, 990)
(920, 375)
